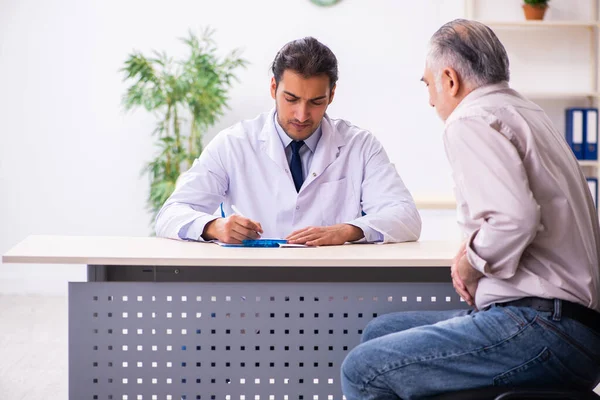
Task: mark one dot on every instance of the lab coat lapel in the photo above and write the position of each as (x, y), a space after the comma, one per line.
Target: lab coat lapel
(328, 150)
(271, 143)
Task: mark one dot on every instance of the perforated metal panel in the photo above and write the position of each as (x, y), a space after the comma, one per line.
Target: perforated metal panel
(226, 341)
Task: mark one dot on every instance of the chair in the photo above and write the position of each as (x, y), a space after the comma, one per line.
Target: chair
(504, 393)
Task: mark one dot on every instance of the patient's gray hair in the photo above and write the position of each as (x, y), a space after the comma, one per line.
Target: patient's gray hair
(472, 50)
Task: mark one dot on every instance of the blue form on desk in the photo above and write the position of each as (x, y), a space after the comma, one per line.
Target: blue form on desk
(263, 242)
(254, 243)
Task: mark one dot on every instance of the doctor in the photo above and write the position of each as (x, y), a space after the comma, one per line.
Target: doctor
(293, 172)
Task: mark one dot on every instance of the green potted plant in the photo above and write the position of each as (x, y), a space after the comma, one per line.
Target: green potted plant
(535, 9)
(187, 96)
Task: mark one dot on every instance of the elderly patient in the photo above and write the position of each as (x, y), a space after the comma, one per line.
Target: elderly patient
(529, 264)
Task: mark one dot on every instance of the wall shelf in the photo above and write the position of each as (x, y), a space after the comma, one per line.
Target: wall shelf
(541, 24)
(559, 95)
(589, 163)
(435, 203)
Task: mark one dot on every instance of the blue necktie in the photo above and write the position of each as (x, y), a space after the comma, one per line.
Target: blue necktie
(296, 164)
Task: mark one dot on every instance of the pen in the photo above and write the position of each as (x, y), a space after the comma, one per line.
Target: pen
(238, 212)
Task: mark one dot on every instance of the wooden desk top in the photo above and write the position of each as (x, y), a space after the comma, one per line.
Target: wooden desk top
(105, 250)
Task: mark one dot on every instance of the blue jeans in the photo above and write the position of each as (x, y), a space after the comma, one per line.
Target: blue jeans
(409, 355)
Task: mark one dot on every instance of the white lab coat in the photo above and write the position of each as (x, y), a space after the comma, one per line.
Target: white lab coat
(246, 166)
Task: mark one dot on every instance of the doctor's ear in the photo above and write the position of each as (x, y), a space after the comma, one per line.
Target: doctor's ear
(273, 87)
(332, 93)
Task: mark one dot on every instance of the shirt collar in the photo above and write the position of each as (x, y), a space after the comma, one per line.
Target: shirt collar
(478, 93)
(311, 142)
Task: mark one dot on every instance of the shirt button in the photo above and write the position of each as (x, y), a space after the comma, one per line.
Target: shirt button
(287, 172)
(297, 207)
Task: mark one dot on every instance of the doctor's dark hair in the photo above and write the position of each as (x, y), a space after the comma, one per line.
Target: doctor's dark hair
(472, 50)
(307, 57)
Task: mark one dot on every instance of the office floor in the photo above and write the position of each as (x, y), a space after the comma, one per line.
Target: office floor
(33, 348)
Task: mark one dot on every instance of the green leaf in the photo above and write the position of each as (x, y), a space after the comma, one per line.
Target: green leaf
(187, 96)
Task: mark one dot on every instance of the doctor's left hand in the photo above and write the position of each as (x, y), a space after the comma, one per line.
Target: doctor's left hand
(326, 235)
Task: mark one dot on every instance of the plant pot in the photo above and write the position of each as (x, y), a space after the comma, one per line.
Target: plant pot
(534, 12)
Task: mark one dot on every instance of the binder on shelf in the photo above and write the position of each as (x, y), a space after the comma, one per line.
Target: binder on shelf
(574, 132)
(593, 185)
(590, 123)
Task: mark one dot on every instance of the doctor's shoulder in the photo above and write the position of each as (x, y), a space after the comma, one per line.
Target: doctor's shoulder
(240, 131)
(355, 137)
(237, 141)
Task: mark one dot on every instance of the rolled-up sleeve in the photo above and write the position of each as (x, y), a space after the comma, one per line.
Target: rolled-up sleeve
(491, 177)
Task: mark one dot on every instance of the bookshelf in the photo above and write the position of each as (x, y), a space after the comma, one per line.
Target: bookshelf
(585, 22)
(591, 25)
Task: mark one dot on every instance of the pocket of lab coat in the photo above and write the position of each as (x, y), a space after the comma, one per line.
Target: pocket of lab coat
(338, 202)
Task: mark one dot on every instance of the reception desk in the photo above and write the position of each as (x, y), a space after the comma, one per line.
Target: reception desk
(172, 320)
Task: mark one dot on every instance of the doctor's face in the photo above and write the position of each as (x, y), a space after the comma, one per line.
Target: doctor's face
(301, 102)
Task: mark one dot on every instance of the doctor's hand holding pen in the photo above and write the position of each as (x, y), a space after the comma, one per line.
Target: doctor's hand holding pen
(232, 229)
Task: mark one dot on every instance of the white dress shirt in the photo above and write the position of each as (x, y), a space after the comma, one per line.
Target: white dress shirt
(523, 201)
(306, 152)
(246, 166)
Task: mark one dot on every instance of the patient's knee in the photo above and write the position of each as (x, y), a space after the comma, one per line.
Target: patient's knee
(381, 326)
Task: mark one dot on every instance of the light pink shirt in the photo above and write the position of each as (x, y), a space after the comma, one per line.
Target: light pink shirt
(523, 201)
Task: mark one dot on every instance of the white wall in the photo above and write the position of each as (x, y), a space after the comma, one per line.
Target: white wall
(70, 158)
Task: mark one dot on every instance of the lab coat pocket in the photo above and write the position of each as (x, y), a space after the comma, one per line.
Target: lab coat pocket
(338, 202)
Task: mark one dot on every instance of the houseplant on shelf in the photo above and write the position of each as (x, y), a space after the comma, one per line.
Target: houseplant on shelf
(535, 9)
(187, 96)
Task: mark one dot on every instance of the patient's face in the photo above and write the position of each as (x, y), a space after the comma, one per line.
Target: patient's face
(439, 98)
(301, 102)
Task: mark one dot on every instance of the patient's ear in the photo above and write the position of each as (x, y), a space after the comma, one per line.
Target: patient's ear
(451, 81)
